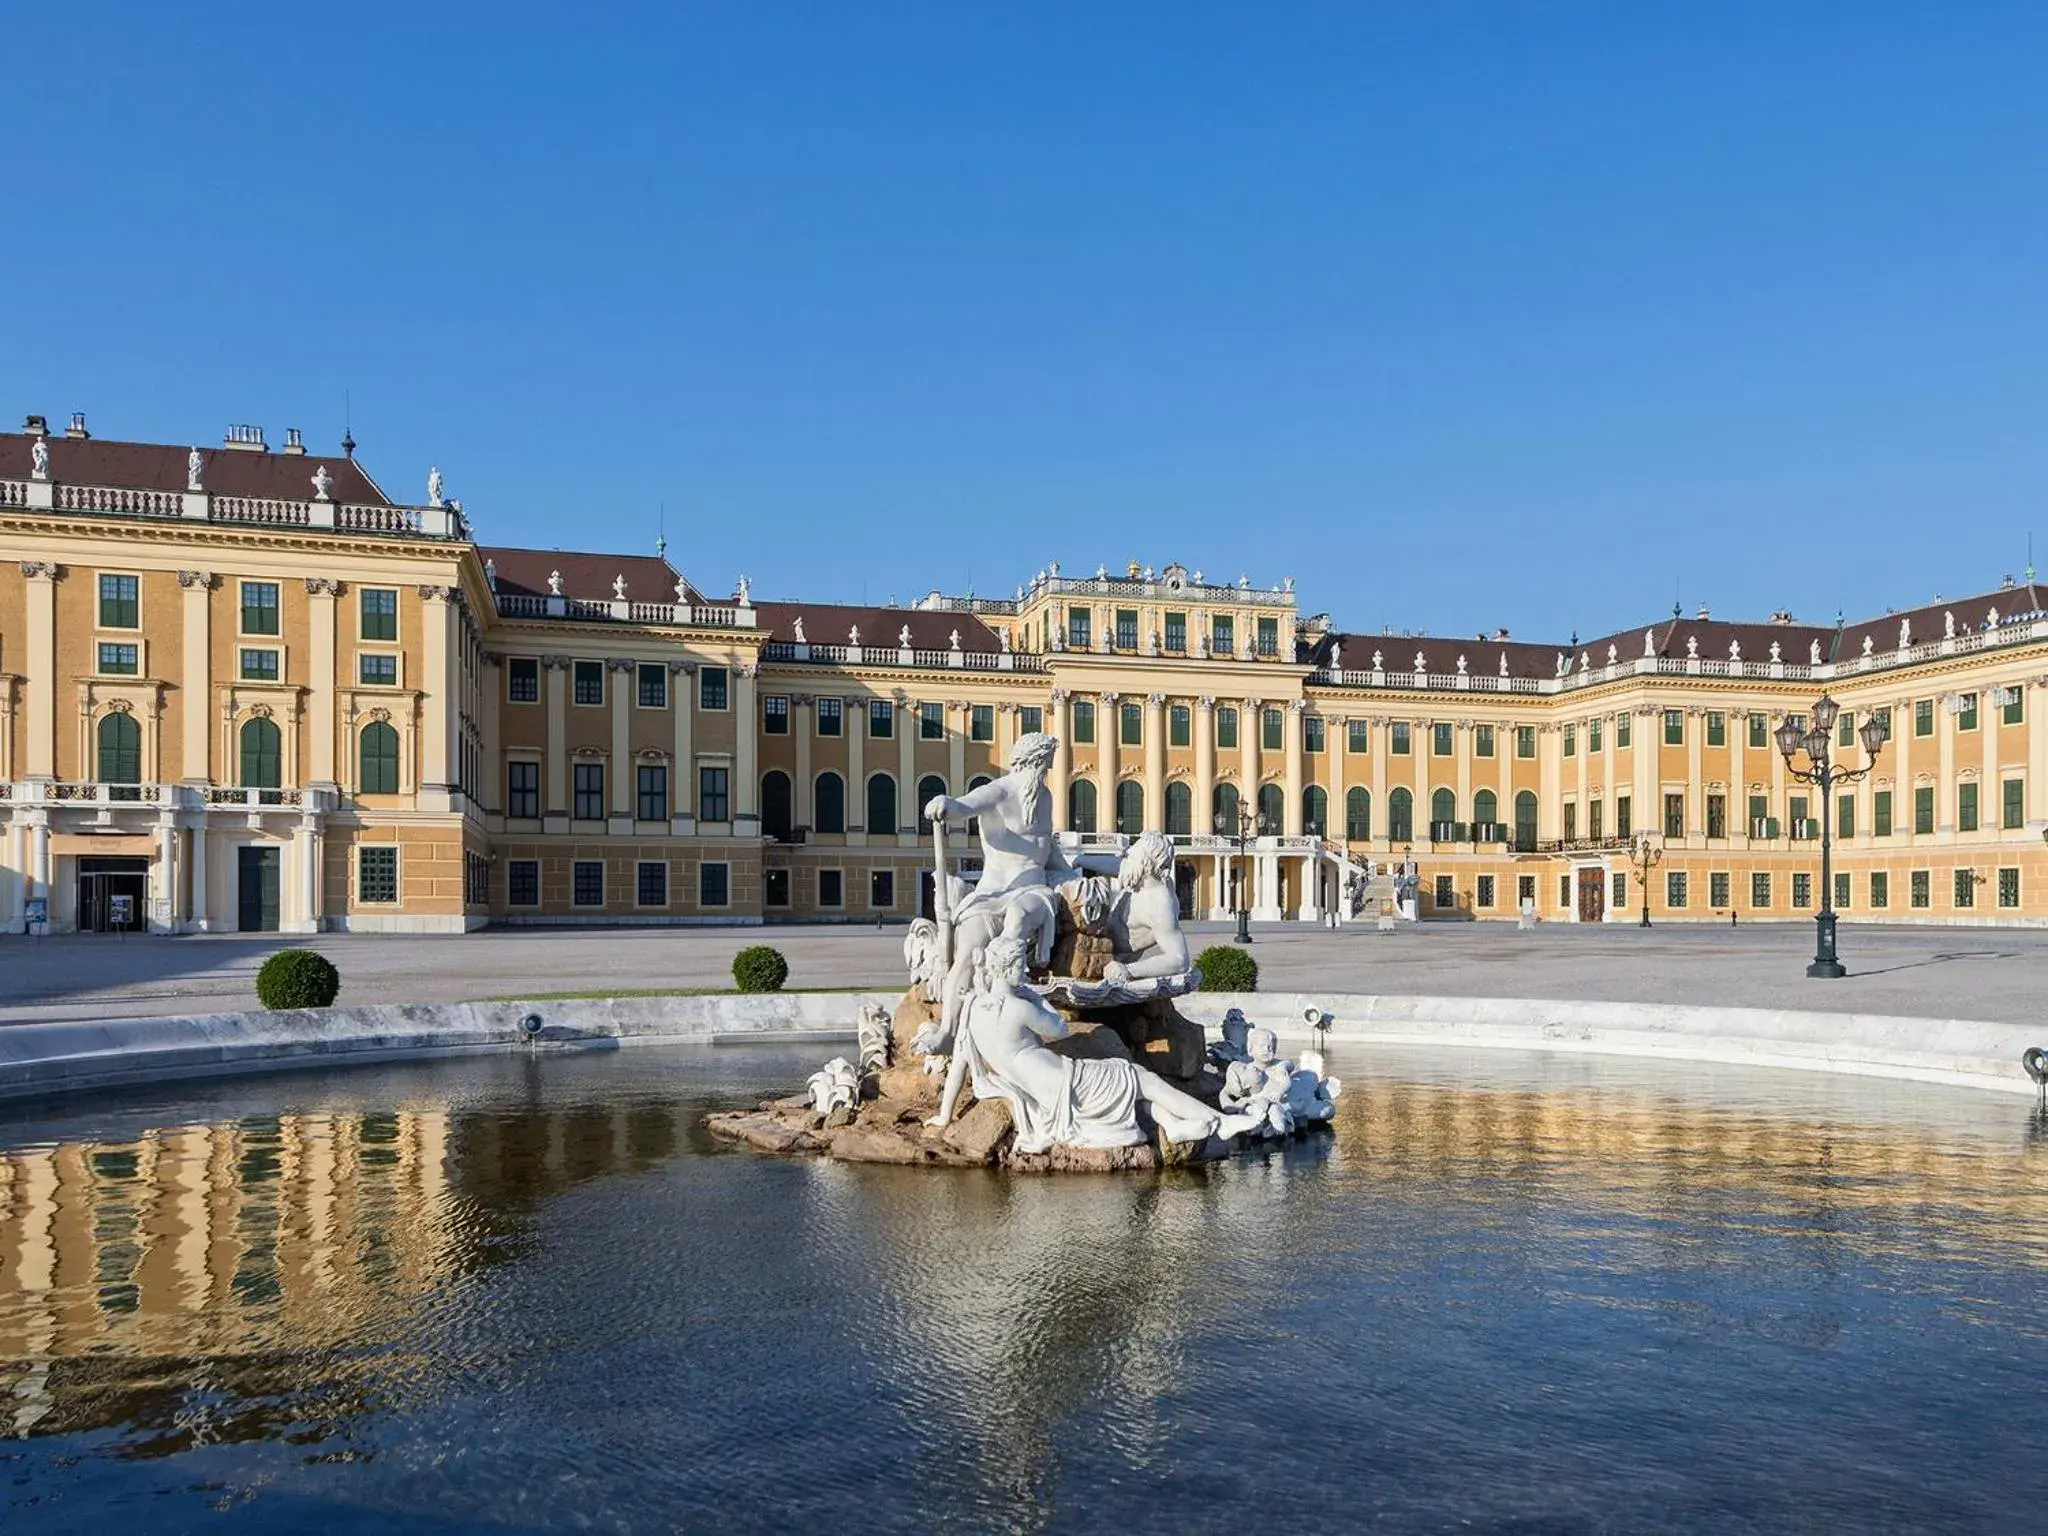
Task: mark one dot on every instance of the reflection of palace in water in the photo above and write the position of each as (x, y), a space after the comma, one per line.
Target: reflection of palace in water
(253, 1253)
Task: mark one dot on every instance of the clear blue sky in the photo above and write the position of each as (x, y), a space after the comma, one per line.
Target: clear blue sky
(1463, 315)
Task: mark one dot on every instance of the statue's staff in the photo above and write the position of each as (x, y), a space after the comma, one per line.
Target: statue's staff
(942, 895)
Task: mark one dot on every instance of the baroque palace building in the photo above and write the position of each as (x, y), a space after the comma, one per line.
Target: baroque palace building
(244, 689)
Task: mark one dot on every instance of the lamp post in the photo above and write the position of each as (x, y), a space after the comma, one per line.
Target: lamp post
(1823, 772)
(1250, 824)
(1644, 856)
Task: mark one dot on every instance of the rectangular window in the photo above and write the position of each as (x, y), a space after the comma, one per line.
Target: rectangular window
(1717, 816)
(1271, 730)
(1442, 743)
(379, 611)
(1802, 889)
(650, 883)
(589, 682)
(586, 881)
(588, 782)
(1176, 631)
(775, 714)
(981, 722)
(373, 671)
(1127, 629)
(1919, 891)
(1881, 813)
(831, 888)
(881, 889)
(1594, 812)
(1620, 892)
(1525, 741)
(774, 887)
(1564, 891)
(1571, 823)
(376, 874)
(1674, 889)
(1717, 728)
(1030, 720)
(1179, 726)
(259, 608)
(712, 686)
(1399, 744)
(1592, 735)
(1077, 629)
(1130, 724)
(651, 792)
(1084, 722)
(712, 801)
(1358, 736)
(1923, 809)
(1571, 741)
(522, 680)
(1674, 728)
(1966, 807)
(1883, 718)
(1845, 817)
(1760, 816)
(259, 666)
(1222, 634)
(1966, 712)
(1923, 717)
(714, 885)
(931, 722)
(1624, 820)
(1311, 733)
(1759, 732)
(1445, 896)
(522, 790)
(2008, 888)
(1717, 889)
(522, 883)
(1525, 890)
(1483, 897)
(2013, 811)
(1482, 741)
(881, 719)
(1269, 637)
(1845, 729)
(120, 602)
(830, 717)
(653, 687)
(1796, 808)
(2012, 710)
(1880, 889)
(1621, 729)
(1674, 815)
(1966, 887)
(1842, 883)
(122, 660)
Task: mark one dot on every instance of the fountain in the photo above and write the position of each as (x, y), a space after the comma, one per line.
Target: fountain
(1039, 1032)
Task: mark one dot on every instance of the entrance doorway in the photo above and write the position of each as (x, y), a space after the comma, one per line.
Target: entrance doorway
(256, 889)
(111, 894)
(1592, 895)
(1184, 888)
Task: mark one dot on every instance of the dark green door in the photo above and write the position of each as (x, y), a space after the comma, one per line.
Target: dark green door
(257, 888)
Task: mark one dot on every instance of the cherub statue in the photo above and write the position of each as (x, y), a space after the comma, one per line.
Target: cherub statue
(797, 628)
(836, 1085)
(1232, 1046)
(1258, 1086)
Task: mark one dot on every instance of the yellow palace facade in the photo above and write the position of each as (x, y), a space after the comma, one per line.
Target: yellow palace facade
(243, 689)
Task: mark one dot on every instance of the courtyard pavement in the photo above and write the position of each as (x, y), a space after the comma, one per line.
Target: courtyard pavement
(1973, 973)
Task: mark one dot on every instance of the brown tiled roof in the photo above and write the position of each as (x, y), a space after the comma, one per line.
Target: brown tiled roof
(1440, 653)
(830, 624)
(161, 467)
(649, 579)
(1930, 622)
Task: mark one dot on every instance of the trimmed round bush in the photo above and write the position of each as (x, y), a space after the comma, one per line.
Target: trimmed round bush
(297, 978)
(759, 968)
(1226, 968)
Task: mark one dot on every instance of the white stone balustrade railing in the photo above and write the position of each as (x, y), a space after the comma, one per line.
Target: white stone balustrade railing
(902, 656)
(204, 506)
(536, 605)
(97, 793)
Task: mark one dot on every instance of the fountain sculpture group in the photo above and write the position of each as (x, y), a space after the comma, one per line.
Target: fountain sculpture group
(1039, 1031)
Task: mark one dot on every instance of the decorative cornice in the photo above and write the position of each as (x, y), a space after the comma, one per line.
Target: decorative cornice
(435, 594)
(555, 663)
(322, 586)
(619, 663)
(686, 667)
(190, 579)
(44, 570)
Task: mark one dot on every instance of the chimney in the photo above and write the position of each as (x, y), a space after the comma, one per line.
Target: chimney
(245, 439)
(77, 427)
(37, 426)
(1501, 633)
(293, 443)
(1703, 611)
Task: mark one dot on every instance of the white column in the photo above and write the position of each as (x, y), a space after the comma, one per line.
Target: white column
(856, 722)
(195, 681)
(321, 592)
(746, 750)
(803, 717)
(682, 789)
(438, 661)
(1248, 756)
(165, 887)
(1155, 761)
(1108, 721)
(1062, 759)
(200, 917)
(306, 856)
(556, 670)
(959, 721)
(1290, 807)
(623, 805)
(40, 654)
(909, 723)
(1205, 766)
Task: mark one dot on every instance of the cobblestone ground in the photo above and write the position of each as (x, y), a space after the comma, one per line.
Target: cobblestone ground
(1976, 973)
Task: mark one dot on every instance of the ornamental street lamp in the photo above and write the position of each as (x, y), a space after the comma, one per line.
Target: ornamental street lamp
(1250, 824)
(1824, 773)
(1645, 856)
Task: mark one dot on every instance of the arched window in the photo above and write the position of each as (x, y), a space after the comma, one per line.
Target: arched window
(377, 760)
(120, 743)
(1358, 815)
(1180, 810)
(974, 822)
(1443, 810)
(262, 755)
(1485, 808)
(1272, 810)
(1130, 807)
(778, 810)
(882, 804)
(829, 810)
(1401, 816)
(928, 787)
(1081, 806)
(1315, 811)
(1525, 821)
(1225, 802)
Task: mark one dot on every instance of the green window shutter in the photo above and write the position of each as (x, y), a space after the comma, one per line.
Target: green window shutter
(2014, 815)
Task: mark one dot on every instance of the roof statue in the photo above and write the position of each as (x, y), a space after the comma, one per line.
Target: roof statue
(1735, 650)
(323, 482)
(491, 574)
(1905, 633)
(797, 628)
(1461, 666)
(853, 637)
(682, 590)
(1692, 647)
(1869, 644)
(39, 460)
(1286, 583)
(1503, 663)
(1336, 655)
(195, 469)
(1378, 660)
(1613, 654)
(554, 583)
(619, 588)
(434, 485)
(1813, 653)
(903, 637)
(1563, 664)
(1991, 619)
(1649, 642)
(1585, 661)
(1948, 624)
(955, 640)
(744, 592)
(1004, 636)
(1421, 662)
